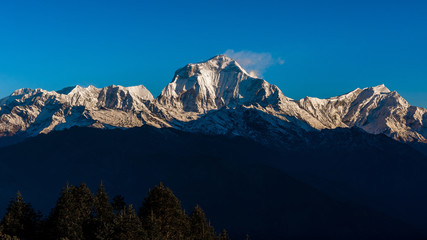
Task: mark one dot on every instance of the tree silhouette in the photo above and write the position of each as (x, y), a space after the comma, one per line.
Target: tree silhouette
(224, 235)
(162, 215)
(118, 203)
(103, 215)
(199, 226)
(71, 214)
(20, 219)
(127, 226)
(79, 215)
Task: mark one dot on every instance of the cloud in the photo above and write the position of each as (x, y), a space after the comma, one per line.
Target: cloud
(254, 63)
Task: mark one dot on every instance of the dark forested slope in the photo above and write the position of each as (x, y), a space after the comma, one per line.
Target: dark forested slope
(242, 186)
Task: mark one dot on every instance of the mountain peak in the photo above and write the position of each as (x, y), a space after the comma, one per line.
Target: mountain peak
(22, 91)
(217, 82)
(66, 90)
(221, 62)
(76, 90)
(139, 91)
(221, 57)
(380, 89)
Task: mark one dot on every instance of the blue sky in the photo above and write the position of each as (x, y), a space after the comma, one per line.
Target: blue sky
(314, 48)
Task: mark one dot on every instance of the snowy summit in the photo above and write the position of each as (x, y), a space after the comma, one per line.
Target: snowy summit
(210, 97)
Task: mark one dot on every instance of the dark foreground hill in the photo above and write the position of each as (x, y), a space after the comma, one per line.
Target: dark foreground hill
(243, 186)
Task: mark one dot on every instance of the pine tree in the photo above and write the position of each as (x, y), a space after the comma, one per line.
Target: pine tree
(103, 215)
(200, 227)
(127, 226)
(118, 203)
(162, 215)
(71, 214)
(20, 219)
(224, 235)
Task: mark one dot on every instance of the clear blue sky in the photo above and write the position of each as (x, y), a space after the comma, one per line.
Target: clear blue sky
(328, 47)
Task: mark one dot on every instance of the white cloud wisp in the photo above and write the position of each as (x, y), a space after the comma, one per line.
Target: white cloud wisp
(254, 63)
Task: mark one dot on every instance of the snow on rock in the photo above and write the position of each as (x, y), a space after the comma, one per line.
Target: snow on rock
(213, 84)
(127, 98)
(31, 112)
(216, 97)
(376, 110)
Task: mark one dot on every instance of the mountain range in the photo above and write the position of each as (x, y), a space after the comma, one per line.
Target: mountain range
(347, 167)
(212, 97)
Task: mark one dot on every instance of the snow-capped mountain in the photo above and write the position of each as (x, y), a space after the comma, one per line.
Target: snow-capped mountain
(215, 97)
(375, 110)
(216, 83)
(30, 112)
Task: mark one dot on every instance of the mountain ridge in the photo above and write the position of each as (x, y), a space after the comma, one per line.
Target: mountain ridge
(197, 90)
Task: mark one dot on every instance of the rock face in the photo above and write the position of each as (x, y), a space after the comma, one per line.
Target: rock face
(30, 112)
(215, 97)
(375, 109)
(216, 83)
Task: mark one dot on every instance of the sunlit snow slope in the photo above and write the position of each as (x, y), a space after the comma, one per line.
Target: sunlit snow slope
(211, 97)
